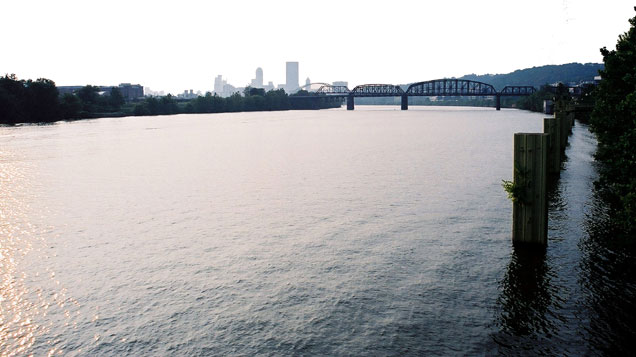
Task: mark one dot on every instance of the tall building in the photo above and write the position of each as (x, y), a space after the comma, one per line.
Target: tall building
(259, 77)
(258, 81)
(291, 78)
(340, 83)
(307, 83)
(131, 91)
(218, 84)
(222, 88)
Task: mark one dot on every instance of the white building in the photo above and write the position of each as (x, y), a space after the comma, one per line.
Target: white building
(291, 77)
(258, 81)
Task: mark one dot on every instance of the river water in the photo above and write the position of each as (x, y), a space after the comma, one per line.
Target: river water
(372, 232)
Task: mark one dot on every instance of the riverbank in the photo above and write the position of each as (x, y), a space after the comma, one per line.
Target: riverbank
(28, 101)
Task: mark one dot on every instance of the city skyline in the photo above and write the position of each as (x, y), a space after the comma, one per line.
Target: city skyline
(178, 48)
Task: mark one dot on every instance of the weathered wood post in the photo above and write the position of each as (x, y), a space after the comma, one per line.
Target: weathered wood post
(563, 128)
(530, 209)
(550, 126)
(571, 114)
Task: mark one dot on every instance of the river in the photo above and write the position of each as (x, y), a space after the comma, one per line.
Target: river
(372, 232)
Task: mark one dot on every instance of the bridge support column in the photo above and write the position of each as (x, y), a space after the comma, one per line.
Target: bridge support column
(405, 102)
(350, 104)
(498, 102)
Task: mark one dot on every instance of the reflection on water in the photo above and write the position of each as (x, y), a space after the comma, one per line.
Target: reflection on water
(609, 260)
(27, 311)
(526, 297)
(577, 296)
(318, 233)
(17, 313)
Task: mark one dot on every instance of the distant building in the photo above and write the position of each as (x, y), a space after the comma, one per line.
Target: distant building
(229, 89)
(128, 91)
(131, 91)
(187, 94)
(68, 89)
(269, 86)
(218, 84)
(291, 76)
(222, 88)
(307, 83)
(258, 81)
(341, 83)
(152, 93)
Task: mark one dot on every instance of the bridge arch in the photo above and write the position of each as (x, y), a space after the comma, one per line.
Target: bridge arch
(331, 89)
(451, 87)
(377, 90)
(517, 90)
(309, 86)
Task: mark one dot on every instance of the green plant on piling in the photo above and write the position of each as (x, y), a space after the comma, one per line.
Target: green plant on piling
(513, 190)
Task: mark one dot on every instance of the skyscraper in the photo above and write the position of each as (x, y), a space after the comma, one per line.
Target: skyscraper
(259, 77)
(218, 84)
(258, 81)
(291, 82)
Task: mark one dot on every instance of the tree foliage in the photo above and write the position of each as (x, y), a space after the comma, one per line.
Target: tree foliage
(39, 101)
(28, 101)
(534, 102)
(614, 123)
(538, 76)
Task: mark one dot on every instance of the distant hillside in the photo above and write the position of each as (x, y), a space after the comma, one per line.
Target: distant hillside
(538, 76)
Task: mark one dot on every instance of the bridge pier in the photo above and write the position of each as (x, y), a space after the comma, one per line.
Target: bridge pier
(405, 102)
(350, 103)
(498, 101)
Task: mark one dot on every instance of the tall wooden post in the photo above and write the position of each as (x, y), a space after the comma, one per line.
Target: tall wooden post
(530, 209)
(550, 126)
(563, 128)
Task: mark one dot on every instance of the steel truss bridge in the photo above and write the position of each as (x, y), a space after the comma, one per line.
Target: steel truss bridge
(434, 88)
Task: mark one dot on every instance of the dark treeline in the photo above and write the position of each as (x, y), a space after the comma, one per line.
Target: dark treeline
(534, 102)
(253, 99)
(28, 101)
(614, 123)
(39, 102)
(538, 76)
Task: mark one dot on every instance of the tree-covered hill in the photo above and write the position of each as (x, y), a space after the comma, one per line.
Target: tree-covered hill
(538, 76)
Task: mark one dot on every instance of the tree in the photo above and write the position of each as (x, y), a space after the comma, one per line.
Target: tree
(28, 101)
(614, 123)
(89, 95)
(12, 96)
(116, 99)
(42, 103)
(250, 91)
(70, 106)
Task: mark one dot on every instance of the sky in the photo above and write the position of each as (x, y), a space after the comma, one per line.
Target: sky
(178, 45)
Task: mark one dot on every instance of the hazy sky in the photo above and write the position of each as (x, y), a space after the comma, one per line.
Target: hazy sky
(177, 45)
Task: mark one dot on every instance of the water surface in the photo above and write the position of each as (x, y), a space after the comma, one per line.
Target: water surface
(372, 232)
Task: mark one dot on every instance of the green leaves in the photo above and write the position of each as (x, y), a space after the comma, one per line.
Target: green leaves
(514, 191)
(614, 123)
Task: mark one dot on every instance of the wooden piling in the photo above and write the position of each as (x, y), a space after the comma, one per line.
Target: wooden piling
(563, 128)
(530, 209)
(550, 127)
